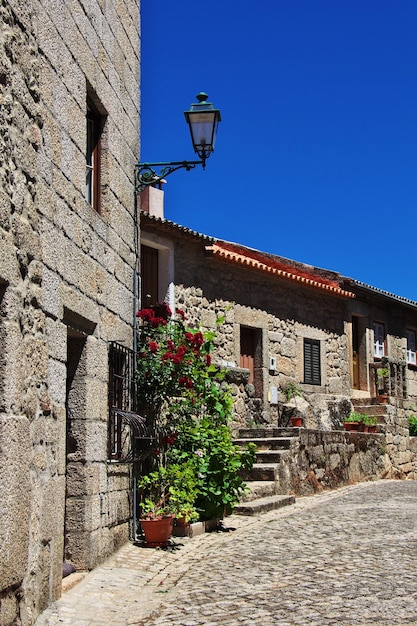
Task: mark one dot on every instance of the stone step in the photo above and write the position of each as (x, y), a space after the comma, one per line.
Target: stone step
(256, 489)
(267, 443)
(260, 471)
(371, 409)
(269, 456)
(262, 505)
(268, 433)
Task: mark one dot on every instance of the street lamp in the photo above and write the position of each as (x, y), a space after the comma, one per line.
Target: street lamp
(203, 120)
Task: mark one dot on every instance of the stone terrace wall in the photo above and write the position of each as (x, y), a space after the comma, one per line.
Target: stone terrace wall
(327, 460)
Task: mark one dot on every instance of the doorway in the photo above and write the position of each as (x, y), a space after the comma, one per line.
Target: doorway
(75, 412)
(358, 368)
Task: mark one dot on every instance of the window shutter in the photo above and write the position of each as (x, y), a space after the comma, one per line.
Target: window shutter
(312, 370)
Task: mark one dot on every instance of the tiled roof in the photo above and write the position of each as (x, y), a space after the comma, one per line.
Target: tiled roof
(273, 266)
(386, 294)
(172, 226)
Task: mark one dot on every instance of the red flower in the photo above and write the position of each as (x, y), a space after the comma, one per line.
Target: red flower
(181, 313)
(208, 359)
(153, 346)
(185, 382)
(162, 310)
(158, 321)
(146, 314)
(198, 339)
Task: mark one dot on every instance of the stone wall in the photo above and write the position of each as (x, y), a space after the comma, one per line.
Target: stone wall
(327, 460)
(66, 287)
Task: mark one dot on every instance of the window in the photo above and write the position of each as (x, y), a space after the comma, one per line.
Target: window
(95, 123)
(129, 436)
(411, 347)
(379, 340)
(121, 396)
(312, 369)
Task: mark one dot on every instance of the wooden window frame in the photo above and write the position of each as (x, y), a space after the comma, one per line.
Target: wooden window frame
(379, 340)
(94, 124)
(411, 336)
(312, 361)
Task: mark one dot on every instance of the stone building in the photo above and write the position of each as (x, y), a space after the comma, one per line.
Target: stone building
(287, 323)
(69, 139)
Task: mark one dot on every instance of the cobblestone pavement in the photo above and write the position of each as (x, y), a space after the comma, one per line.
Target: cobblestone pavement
(347, 557)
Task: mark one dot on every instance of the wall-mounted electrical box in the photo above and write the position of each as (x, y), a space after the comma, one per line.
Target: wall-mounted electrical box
(273, 395)
(272, 363)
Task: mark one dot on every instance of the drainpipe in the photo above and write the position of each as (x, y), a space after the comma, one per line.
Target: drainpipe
(136, 307)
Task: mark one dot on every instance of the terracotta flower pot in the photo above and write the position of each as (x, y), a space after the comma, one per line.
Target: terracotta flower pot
(296, 422)
(157, 531)
(351, 425)
(383, 399)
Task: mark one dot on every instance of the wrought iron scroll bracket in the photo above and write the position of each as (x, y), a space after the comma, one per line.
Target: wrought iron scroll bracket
(146, 175)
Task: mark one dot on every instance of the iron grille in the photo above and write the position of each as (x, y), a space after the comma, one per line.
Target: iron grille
(130, 438)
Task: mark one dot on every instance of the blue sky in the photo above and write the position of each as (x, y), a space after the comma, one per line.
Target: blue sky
(316, 155)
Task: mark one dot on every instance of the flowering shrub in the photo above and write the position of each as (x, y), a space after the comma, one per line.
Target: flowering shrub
(185, 399)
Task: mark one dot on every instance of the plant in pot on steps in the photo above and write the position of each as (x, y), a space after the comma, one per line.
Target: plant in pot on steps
(382, 380)
(353, 421)
(291, 392)
(368, 423)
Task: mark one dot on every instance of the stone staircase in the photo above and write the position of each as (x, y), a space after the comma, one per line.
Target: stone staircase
(277, 449)
(274, 445)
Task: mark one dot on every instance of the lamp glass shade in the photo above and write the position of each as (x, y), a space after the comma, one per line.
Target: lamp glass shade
(203, 120)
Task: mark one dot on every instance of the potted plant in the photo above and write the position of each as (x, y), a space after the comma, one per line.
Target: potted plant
(296, 421)
(369, 423)
(352, 421)
(291, 392)
(382, 378)
(156, 513)
(166, 493)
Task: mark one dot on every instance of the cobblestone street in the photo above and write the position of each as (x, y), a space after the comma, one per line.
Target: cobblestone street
(345, 557)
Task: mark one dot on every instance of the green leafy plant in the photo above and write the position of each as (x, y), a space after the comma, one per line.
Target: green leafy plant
(169, 491)
(218, 464)
(412, 425)
(355, 417)
(369, 420)
(382, 375)
(188, 404)
(290, 391)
